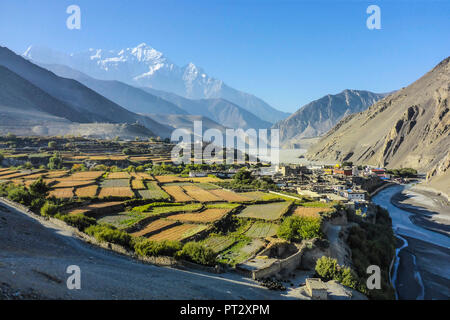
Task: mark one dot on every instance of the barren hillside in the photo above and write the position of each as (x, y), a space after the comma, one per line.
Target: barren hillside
(409, 128)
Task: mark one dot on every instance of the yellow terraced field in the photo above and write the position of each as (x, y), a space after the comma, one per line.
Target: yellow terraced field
(56, 174)
(229, 196)
(119, 175)
(310, 212)
(86, 175)
(200, 195)
(95, 207)
(116, 192)
(87, 192)
(142, 175)
(137, 184)
(178, 193)
(167, 179)
(178, 233)
(153, 226)
(206, 216)
(72, 183)
(62, 193)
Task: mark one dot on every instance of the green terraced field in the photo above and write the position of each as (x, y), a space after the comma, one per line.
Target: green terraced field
(262, 230)
(267, 211)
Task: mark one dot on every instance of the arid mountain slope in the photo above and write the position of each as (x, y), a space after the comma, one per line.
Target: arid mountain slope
(409, 128)
(317, 117)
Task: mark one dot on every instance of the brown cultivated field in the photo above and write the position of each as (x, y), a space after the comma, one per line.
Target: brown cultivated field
(137, 184)
(201, 195)
(34, 176)
(229, 196)
(118, 175)
(63, 193)
(310, 212)
(86, 175)
(167, 179)
(97, 207)
(87, 192)
(177, 193)
(142, 175)
(56, 174)
(206, 216)
(154, 226)
(123, 192)
(178, 233)
(65, 183)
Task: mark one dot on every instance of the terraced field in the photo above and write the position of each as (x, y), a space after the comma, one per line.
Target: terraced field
(267, 211)
(178, 233)
(153, 191)
(206, 216)
(118, 175)
(230, 196)
(169, 178)
(177, 193)
(262, 230)
(154, 226)
(63, 193)
(200, 195)
(219, 243)
(120, 192)
(87, 192)
(310, 212)
(66, 183)
(115, 183)
(137, 184)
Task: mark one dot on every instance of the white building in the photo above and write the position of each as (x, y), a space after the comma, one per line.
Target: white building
(353, 195)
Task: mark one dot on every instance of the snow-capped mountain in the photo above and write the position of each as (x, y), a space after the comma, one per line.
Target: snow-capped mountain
(146, 67)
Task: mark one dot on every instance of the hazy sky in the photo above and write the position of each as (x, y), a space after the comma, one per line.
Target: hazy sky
(285, 52)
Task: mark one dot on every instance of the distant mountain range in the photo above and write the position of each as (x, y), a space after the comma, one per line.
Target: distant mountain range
(49, 96)
(318, 117)
(409, 128)
(150, 101)
(144, 66)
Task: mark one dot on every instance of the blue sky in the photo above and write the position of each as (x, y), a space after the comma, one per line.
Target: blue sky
(285, 52)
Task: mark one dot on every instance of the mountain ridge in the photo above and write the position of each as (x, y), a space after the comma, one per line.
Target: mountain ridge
(143, 66)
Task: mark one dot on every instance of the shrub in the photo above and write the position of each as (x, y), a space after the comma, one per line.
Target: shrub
(107, 233)
(328, 269)
(148, 248)
(20, 195)
(196, 252)
(79, 221)
(39, 189)
(297, 228)
(49, 209)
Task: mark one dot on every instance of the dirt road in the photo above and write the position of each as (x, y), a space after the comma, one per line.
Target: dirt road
(34, 257)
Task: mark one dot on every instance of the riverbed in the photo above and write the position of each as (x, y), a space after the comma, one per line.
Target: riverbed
(422, 268)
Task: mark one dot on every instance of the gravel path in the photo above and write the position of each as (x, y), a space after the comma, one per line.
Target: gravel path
(34, 256)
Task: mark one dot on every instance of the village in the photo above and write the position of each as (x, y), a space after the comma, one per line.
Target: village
(273, 224)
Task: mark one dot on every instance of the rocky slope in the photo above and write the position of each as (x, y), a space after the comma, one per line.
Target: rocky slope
(317, 117)
(409, 128)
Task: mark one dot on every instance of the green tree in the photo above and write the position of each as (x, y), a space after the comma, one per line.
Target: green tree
(39, 189)
(52, 144)
(49, 209)
(55, 162)
(296, 228)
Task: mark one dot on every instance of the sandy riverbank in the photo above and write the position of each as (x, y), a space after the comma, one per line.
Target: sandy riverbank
(430, 210)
